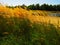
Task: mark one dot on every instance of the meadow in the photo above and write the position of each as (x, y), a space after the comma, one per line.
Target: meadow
(28, 27)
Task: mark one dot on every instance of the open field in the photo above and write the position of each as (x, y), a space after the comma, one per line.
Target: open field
(28, 27)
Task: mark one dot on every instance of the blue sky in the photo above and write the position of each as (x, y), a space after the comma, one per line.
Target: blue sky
(28, 2)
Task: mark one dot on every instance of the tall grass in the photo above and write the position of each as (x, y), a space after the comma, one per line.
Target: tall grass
(19, 30)
(23, 32)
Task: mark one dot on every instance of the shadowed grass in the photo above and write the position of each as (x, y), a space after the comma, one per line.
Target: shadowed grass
(16, 31)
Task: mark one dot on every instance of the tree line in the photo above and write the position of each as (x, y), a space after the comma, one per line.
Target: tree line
(39, 7)
(44, 7)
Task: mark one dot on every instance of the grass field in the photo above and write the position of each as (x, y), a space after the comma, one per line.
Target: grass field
(28, 27)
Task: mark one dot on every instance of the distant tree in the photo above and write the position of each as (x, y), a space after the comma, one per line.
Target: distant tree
(50, 7)
(58, 7)
(37, 7)
(45, 7)
(32, 7)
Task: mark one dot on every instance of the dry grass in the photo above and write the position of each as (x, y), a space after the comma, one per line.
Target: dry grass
(44, 18)
(34, 16)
